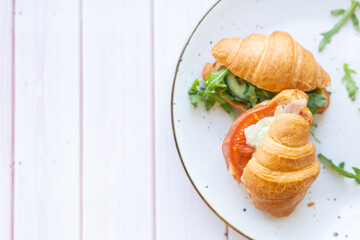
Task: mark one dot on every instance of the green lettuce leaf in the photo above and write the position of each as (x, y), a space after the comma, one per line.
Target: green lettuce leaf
(350, 13)
(340, 169)
(215, 83)
(315, 101)
(209, 94)
(350, 83)
(312, 132)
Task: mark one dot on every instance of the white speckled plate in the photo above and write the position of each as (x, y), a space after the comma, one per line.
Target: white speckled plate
(199, 134)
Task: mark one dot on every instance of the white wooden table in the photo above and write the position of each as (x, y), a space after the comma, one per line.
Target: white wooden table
(86, 146)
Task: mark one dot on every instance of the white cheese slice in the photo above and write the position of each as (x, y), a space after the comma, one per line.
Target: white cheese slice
(256, 133)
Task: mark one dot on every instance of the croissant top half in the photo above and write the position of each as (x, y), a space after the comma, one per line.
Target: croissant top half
(274, 63)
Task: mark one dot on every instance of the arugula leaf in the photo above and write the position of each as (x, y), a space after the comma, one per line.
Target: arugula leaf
(263, 95)
(251, 95)
(209, 95)
(312, 133)
(354, 19)
(210, 101)
(350, 83)
(315, 138)
(337, 12)
(194, 95)
(215, 90)
(327, 36)
(355, 22)
(315, 101)
(357, 172)
(340, 169)
(215, 82)
(226, 106)
(228, 97)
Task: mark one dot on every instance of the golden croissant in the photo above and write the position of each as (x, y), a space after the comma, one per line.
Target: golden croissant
(272, 62)
(281, 166)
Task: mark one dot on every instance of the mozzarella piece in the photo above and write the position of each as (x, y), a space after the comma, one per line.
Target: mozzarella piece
(256, 133)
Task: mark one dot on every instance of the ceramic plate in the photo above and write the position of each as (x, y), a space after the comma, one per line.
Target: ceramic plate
(199, 134)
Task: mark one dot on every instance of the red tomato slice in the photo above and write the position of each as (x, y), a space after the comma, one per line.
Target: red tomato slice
(234, 147)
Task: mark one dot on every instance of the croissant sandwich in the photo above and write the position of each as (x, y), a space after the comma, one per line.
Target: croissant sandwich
(256, 68)
(268, 149)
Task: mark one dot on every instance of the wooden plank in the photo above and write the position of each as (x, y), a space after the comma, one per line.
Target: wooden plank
(6, 109)
(117, 165)
(180, 212)
(47, 120)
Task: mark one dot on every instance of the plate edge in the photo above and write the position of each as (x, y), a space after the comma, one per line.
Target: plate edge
(173, 123)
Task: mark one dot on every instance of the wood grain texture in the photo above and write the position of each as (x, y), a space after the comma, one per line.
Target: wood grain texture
(180, 212)
(6, 119)
(47, 120)
(129, 49)
(117, 164)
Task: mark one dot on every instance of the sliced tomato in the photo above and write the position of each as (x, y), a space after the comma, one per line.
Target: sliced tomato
(234, 148)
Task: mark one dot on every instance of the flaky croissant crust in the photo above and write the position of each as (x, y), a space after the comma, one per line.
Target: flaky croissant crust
(274, 63)
(283, 167)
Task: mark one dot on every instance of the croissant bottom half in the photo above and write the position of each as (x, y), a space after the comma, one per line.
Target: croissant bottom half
(283, 167)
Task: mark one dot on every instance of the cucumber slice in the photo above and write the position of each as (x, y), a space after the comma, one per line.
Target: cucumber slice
(236, 86)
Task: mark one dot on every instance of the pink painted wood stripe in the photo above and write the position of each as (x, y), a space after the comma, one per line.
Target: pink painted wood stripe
(152, 95)
(81, 78)
(12, 119)
(81, 119)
